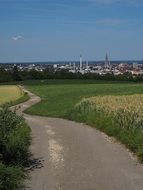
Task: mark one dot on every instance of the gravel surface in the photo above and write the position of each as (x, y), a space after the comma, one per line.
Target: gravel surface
(72, 156)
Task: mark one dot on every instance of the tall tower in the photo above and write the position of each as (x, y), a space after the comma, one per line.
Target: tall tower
(80, 63)
(107, 62)
(87, 65)
(74, 66)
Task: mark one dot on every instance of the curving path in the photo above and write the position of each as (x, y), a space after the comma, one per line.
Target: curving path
(73, 156)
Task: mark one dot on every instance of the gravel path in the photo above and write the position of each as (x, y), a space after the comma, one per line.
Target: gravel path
(73, 156)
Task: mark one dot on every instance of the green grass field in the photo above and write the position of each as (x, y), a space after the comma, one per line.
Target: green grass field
(9, 93)
(60, 96)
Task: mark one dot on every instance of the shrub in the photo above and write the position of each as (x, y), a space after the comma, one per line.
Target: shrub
(14, 150)
(8, 122)
(14, 138)
(16, 147)
(11, 178)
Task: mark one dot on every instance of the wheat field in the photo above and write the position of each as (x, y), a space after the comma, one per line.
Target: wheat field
(114, 103)
(9, 93)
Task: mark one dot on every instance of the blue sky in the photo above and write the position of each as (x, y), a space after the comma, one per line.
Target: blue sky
(54, 30)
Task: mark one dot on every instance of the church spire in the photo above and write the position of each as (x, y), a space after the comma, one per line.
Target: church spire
(107, 62)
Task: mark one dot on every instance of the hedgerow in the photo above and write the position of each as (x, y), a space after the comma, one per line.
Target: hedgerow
(14, 150)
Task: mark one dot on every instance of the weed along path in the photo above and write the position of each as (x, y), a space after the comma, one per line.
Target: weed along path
(72, 156)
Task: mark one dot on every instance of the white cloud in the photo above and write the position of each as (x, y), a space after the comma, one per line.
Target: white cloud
(16, 38)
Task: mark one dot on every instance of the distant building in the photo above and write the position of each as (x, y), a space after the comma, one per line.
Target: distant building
(55, 66)
(135, 65)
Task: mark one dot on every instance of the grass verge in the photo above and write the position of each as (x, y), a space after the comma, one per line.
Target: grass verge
(23, 98)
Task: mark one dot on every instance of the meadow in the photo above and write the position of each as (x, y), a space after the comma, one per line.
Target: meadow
(60, 96)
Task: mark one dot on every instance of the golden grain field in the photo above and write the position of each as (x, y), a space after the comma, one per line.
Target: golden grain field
(114, 103)
(126, 111)
(118, 116)
(9, 93)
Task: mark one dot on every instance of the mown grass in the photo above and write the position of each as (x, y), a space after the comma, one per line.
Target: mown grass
(60, 96)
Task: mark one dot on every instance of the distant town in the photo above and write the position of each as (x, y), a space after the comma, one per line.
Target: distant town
(82, 66)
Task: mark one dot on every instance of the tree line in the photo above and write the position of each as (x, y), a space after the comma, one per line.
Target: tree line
(50, 73)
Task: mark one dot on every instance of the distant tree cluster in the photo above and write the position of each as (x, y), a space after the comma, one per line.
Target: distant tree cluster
(15, 75)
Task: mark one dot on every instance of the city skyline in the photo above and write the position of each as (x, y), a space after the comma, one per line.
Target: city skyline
(54, 30)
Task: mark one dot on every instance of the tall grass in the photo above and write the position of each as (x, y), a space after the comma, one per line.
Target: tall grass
(118, 116)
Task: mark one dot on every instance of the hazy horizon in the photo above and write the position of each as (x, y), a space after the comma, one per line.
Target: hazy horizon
(72, 61)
